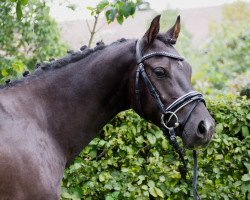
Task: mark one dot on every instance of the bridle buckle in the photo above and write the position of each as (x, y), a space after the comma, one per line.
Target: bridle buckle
(165, 122)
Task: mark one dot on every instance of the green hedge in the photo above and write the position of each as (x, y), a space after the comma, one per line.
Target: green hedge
(130, 159)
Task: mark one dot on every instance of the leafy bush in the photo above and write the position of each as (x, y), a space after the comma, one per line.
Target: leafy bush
(131, 159)
(24, 42)
(226, 54)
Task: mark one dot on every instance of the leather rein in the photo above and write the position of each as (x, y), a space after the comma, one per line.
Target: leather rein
(169, 112)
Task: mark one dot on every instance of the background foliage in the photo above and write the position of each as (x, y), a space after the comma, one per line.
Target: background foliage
(223, 62)
(24, 42)
(118, 9)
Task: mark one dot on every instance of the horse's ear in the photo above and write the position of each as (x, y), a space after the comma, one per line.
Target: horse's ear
(173, 32)
(153, 30)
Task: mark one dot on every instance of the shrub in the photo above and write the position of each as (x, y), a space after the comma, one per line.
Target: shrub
(131, 159)
(24, 42)
(226, 53)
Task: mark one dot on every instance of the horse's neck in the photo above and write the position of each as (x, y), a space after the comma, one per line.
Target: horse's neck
(79, 100)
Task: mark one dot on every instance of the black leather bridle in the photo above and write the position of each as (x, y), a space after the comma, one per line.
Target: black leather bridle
(169, 112)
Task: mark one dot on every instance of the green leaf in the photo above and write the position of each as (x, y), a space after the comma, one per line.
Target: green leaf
(127, 9)
(18, 67)
(141, 177)
(245, 131)
(144, 187)
(140, 139)
(76, 166)
(92, 154)
(102, 5)
(219, 157)
(151, 138)
(4, 72)
(110, 15)
(75, 194)
(245, 187)
(162, 178)
(102, 143)
(216, 170)
(19, 10)
(120, 19)
(152, 192)
(237, 183)
(247, 165)
(219, 128)
(120, 4)
(90, 8)
(245, 177)
(101, 177)
(115, 194)
(210, 151)
(132, 8)
(164, 144)
(151, 183)
(24, 2)
(109, 198)
(125, 169)
(159, 192)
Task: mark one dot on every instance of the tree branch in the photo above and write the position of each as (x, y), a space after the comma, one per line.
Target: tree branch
(88, 25)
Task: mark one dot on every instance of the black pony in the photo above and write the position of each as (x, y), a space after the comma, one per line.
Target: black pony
(49, 116)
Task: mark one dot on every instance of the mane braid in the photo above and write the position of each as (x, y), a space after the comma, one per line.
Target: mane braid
(72, 57)
(76, 56)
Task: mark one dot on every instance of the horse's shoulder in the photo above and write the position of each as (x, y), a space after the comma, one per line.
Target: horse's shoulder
(16, 167)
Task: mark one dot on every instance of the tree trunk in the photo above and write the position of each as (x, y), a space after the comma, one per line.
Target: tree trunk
(93, 31)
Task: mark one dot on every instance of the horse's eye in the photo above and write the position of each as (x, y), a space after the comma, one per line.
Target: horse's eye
(160, 72)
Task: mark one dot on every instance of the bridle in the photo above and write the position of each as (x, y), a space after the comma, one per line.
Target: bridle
(169, 112)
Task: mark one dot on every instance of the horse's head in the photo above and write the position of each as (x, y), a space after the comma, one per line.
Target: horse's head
(162, 72)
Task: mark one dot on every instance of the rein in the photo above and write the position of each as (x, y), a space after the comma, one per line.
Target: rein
(169, 112)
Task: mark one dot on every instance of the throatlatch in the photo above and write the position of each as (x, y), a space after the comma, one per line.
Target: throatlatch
(169, 113)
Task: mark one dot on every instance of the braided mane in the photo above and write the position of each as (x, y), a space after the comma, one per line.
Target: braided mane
(72, 57)
(75, 56)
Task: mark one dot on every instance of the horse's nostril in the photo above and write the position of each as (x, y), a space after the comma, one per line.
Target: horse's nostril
(202, 128)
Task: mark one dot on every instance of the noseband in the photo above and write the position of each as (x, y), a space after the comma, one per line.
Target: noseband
(169, 112)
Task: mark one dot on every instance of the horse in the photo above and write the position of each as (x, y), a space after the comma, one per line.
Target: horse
(49, 116)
